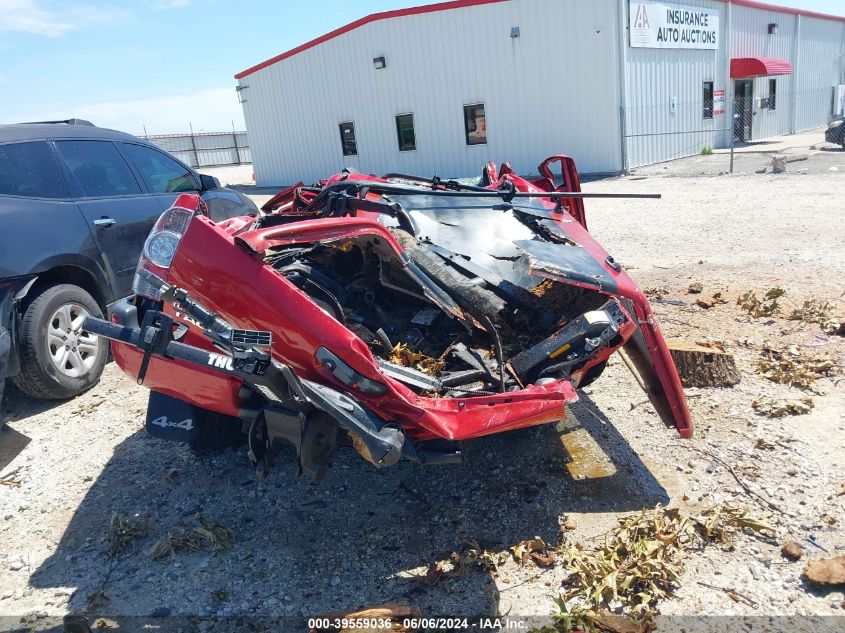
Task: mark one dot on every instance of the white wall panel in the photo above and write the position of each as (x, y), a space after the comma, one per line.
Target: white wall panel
(554, 89)
(657, 77)
(751, 39)
(821, 66)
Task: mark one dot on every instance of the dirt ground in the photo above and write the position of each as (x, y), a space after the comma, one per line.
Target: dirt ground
(365, 537)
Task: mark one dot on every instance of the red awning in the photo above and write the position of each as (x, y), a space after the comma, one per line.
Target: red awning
(744, 67)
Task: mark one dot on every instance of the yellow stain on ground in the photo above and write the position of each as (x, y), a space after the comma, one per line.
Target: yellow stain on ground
(586, 458)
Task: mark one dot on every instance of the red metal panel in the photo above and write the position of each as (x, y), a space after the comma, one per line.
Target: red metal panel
(745, 67)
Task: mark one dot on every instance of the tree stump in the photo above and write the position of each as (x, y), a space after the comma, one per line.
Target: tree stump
(702, 364)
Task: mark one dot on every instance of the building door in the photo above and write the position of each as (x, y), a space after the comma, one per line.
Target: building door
(743, 109)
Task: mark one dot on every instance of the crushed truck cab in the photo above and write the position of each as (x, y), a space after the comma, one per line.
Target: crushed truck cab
(403, 315)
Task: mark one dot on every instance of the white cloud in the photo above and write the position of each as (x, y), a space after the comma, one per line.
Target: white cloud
(30, 16)
(170, 4)
(210, 110)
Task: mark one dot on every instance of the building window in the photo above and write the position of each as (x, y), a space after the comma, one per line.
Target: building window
(773, 93)
(475, 124)
(405, 132)
(347, 139)
(708, 100)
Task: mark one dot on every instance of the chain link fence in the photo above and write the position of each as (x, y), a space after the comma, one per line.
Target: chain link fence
(739, 133)
(206, 149)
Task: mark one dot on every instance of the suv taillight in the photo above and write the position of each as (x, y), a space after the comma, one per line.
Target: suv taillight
(163, 241)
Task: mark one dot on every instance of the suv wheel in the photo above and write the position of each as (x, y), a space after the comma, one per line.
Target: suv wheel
(58, 358)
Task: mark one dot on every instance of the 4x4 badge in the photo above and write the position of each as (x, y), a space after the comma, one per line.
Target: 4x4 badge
(163, 421)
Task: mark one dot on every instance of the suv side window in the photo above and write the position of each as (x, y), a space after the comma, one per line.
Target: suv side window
(161, 173)
(98, 168)
(30, 169)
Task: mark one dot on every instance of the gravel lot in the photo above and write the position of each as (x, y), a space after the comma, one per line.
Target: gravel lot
(365, 537)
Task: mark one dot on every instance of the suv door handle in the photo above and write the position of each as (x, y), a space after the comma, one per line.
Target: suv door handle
(104, 222)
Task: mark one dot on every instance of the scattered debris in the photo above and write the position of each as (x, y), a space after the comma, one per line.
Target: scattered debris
(11, 481)
(792, 550)
(404, 355)
(656, 291)
(791, 367)
(192, 538)
(703, 364)
(830, 571)
(122, 533)
(750, 491)
(833, 326)
(640, 562)
(695, 288)
(812, 541)
(820, 313)
(472, 554)
(762, 444)
(733, 594)
(434, 574)
(534, 549)
(634, 405)
(772, 408)
(610, 623)
(713, 301)
(359, 621)
(812, 311)
(761, 307)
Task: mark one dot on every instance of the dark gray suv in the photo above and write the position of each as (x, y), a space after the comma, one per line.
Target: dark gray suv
(76, 204)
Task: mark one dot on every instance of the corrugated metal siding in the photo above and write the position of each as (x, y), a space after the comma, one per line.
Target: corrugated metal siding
(206, 149)
(554, 89)
(653, 78)
(750, 38)
(821, 60)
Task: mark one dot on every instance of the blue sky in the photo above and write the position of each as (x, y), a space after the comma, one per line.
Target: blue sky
(162, 64)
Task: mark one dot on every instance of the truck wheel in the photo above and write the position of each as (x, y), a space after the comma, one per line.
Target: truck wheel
(58, 359)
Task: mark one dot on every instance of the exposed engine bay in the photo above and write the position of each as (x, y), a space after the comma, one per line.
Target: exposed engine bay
(404, 314)
(447, 327)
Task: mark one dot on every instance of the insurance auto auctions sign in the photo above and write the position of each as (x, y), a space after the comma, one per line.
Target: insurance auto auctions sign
(658, 25)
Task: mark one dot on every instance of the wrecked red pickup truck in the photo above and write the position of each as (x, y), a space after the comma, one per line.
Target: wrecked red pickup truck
(399, 314)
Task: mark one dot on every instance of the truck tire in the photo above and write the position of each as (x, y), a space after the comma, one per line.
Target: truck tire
(58, 359)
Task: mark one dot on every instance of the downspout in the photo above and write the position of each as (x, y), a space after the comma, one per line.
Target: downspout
(796, 58)
(621, 39)
(729, 88)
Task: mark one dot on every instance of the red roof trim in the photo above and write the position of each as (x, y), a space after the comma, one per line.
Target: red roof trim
(459, 4)
(374, 17)
(746, 67)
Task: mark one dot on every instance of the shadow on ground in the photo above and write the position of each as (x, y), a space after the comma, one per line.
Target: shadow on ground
(306, 550)
(11, 444)
(17, 405)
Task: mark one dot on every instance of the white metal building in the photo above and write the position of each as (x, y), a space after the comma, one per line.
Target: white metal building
(442, 89)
